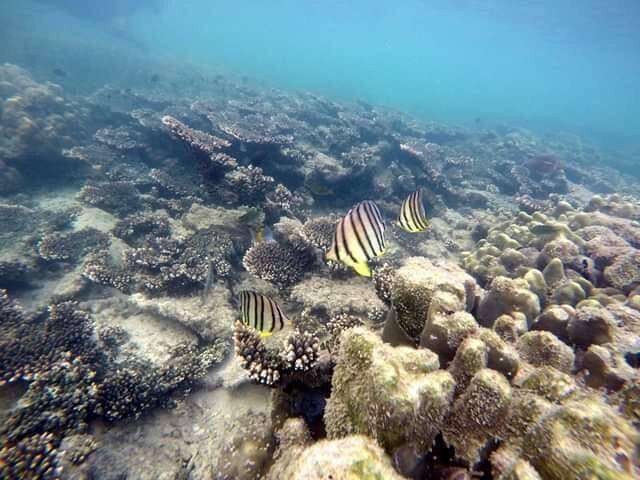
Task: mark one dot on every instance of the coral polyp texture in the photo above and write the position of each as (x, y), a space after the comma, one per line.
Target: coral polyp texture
(271, 364)
(501, 343)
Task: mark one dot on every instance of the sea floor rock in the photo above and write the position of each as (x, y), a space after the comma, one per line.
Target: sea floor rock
(347, 458)
(326, 298)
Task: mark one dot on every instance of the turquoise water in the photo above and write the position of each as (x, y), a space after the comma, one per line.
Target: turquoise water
(546, 65)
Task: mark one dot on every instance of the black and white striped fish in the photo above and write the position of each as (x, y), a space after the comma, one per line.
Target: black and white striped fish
(262, 313)
(412, 216)
(359, 237)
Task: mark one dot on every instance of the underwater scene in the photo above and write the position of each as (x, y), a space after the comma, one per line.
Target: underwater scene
(308, 240)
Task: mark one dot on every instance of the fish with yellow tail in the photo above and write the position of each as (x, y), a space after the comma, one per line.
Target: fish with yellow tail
(359, 237)
(412, 216)
(261, 313)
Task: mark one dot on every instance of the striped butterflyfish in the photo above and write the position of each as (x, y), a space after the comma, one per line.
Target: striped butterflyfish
(412, 216)
(359, 237)
(262, 313)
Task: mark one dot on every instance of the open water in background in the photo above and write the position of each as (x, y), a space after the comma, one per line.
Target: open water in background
(549, 65)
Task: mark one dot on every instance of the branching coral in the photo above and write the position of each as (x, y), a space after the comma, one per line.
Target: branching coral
(129, 390)
(195, 139)
(99, 268)
(283, 264)
(162, 264)
(70, 247)
(271, 365)
(138, 225)
(72, 379)
(319, 232)
(31, 343)
(249, 182)
(119, 197)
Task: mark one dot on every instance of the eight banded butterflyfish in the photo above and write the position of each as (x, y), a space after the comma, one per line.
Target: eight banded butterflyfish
(412, 216)
(262, 313)
(359, 237)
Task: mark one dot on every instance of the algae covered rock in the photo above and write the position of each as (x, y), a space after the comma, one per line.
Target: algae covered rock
(507, 296)
(326, 298)
(421, 289)
(544, 348)
(506, 464)
(443, 334)
(550, 383)
(584, 439)
(351, 458)
(477, 414)
(396, 395)
(591, 325)
(624, 273)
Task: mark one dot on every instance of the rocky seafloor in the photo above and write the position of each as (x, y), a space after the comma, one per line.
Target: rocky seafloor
(502, 343)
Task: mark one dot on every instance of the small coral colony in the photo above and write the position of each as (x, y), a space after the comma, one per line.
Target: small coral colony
(475, 313)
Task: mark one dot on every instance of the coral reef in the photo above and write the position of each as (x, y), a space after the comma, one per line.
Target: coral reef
(502, 343)
(274, 364)
(319, 232)
(422, 290)
(135, 227)
(127, 391)
(283, 264)
(118, 197)
(199, 142)
(163, 264)
(70, 247)
(36, 122)
(71, 379)
(350, 457)
(386, 379)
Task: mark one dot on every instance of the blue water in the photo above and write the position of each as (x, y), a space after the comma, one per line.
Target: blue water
(546, 64)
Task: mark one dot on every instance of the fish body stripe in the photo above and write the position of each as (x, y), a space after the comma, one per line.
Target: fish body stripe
(415, 210)
(378, 228)
(412, 216)
(363, 226)
(359, 235)
(404, 216)
(421, 216)
(261, 312)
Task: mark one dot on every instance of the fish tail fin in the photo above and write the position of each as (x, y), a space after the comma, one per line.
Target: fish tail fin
(362, 269)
